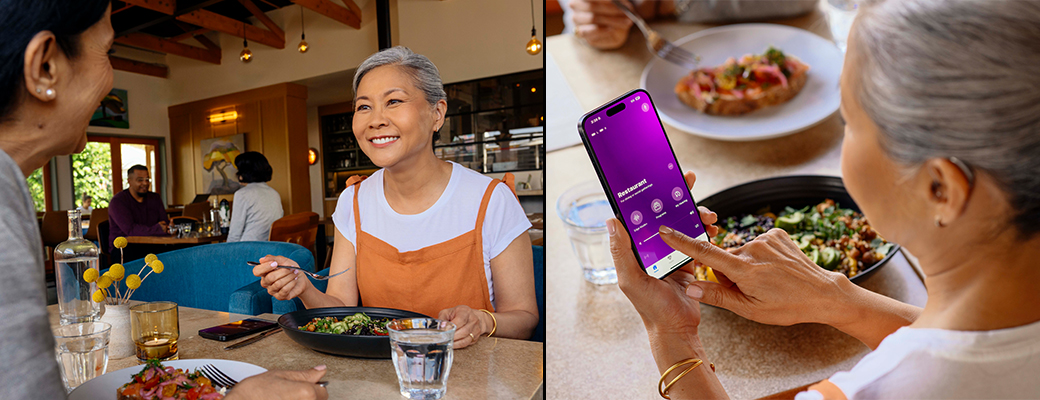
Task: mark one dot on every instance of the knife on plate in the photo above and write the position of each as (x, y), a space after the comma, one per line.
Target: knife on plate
(253, 339)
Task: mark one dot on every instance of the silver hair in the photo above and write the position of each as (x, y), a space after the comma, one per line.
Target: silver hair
(425, 75)
(958, 79)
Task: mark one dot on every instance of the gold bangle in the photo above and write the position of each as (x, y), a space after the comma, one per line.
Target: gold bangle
(493, 319)
(696, 363)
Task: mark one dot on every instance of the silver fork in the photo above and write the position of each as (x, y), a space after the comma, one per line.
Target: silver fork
(309, 273)
(658, 45)
(224, 383)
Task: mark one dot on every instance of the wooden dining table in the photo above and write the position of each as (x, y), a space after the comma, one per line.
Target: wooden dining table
(169, 239)
(494, 368)
(597, 345)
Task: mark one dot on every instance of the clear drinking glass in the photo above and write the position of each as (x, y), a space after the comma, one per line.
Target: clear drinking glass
(422, 353)
(155, 328)
(71, 258)
(82, 352)
(840, 14)
(585, 210)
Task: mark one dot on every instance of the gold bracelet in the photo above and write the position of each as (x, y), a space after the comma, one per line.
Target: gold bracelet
(495, 326)
(696, 363)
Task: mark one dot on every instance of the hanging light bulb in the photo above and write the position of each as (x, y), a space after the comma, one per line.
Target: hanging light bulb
(533, 46)
(246, 55)
(303, 35)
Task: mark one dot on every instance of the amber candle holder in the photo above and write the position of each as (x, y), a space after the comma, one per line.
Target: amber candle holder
(155, 329)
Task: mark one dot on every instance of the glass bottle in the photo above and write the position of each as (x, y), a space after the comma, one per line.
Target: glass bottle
(71, 258)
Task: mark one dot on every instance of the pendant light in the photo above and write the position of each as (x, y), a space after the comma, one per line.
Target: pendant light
(246, 55)
(303, 35)
(533, 46)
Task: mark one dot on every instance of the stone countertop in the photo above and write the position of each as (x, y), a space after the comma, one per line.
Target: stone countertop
(596, 342)
(494, 368)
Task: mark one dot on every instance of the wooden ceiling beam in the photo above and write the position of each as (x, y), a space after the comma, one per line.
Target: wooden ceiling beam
(170, 47)
(189, 34)
(263, 18)
(167, 7)
(233, 27)
(349, 15)
(138, 67)
(208, 43)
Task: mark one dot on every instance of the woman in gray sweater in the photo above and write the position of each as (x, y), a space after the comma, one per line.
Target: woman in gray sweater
(256, 205)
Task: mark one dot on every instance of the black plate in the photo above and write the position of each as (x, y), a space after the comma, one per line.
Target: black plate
(343, 345)
(777, 193)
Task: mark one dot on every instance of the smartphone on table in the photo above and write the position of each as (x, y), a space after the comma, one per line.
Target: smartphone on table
(642, 178)
(235, 330)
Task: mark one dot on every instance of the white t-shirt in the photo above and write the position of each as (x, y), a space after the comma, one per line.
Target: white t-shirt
(454, 214)
(942, 364)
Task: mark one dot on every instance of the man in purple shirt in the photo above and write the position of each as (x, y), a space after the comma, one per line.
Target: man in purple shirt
(136, 211)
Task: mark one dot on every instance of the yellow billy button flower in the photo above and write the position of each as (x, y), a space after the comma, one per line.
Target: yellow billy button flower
(120, 242)
(98, 296)
(116, 271)
(133, 281)
(104, 281)
(150, 259)
(90, 275)
(157, 266)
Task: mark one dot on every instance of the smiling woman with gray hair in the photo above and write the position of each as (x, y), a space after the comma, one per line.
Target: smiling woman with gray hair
(421, 234)
(942, 154)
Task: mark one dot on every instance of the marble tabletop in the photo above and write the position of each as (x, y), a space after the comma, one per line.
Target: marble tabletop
(596, 342)
(494, 368)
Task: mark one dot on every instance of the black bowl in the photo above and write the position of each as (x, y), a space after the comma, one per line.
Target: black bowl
(792, 191)
(342, 345)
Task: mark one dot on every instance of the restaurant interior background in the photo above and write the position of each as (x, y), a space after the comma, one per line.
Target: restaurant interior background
(182, 81)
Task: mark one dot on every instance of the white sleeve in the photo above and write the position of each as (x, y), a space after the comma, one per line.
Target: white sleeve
(343, 217)
(504, 221)
(809, 395)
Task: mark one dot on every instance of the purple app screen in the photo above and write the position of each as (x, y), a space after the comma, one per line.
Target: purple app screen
(644, 179)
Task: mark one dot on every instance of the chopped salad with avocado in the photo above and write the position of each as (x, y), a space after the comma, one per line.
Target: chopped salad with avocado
(835, 238)
(357, 324)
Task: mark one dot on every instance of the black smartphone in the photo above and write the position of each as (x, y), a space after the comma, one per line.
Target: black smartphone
(235, 330)
(642, 178)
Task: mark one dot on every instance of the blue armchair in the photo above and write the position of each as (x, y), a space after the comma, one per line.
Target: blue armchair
(215, 276)
(537, 252)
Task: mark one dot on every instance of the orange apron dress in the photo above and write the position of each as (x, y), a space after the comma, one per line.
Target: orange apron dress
(427, 280)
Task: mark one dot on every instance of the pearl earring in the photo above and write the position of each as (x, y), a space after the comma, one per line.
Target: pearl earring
(50, 93)
(38, 90)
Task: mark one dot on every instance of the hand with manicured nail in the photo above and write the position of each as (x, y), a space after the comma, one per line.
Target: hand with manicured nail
(662, 303)
(282, 283)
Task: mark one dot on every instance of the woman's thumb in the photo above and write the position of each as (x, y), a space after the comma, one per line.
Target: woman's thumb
(311, 375)
(710, 293)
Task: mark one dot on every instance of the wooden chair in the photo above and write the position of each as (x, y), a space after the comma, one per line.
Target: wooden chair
(300, 228)
(104, 242)
(197, 210)
(55, 228)
(97, 216)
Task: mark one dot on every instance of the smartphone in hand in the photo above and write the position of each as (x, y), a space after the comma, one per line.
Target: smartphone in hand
(642, 178)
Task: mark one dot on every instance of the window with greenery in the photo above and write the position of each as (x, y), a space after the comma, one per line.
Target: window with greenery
(92, 174)
(35, 182)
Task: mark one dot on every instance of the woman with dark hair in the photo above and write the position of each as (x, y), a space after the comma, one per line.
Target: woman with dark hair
(256, 205)
(942, 154)
(421, 234)
(54, 71)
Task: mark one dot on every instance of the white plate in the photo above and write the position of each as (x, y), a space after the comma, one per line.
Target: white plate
(105, 386)
(818, 99)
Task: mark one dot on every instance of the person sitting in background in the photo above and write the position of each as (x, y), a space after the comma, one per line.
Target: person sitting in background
(256, 205)
(602, 25)
(421, 234)
(84, 205)
(136, 211)
(54, 71)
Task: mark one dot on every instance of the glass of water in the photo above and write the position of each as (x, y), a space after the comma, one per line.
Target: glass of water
(585, 210)
(82, 351)
(840, 14)
(422, 352)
